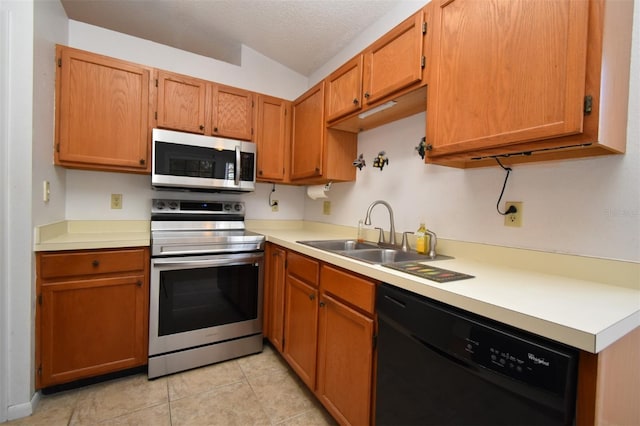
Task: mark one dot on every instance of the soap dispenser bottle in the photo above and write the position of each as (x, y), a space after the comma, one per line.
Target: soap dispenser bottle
(421, 239)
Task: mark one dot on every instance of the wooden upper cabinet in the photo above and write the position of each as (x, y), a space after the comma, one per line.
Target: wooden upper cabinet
(192, 105)
(396, 60)
(344, 90)
(181, 102)
(523, 78)
(273, 137)
(318, 154)
(308, 134)
(231, 112)
(102, 112)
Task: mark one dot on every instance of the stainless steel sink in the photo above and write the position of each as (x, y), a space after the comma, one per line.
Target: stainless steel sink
(339, 245)
(370, 252)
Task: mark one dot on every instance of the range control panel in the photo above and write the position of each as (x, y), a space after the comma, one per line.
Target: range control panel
(164, 206)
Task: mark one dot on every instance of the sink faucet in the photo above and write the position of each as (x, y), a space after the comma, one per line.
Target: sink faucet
(392, 230)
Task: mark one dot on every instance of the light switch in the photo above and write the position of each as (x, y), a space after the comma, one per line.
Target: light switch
(46, 191)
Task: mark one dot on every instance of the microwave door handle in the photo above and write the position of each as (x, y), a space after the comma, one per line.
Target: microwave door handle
(236, 175)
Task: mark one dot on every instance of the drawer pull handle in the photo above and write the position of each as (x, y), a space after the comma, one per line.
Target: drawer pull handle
(322, 304)
(139, 283)
(312, 296)
(95, 263)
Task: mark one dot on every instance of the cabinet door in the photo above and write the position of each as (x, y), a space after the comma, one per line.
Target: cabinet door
(300, 328)
(273, 136)
(232, 113)
(92, 327)
(102, 112)
(345, 362)
(505, 71)
(181, 102)
(344, 89)
(307, 146)
(395, 61)
(275, 295)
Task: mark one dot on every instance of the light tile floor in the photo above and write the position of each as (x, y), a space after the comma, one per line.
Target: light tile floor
(254, 390)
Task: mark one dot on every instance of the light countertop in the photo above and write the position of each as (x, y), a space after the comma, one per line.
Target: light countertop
(582, 313)
(583, 302)
(92, 234)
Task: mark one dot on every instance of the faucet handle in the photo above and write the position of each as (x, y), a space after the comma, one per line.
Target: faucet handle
(405, 241)
(380, 235)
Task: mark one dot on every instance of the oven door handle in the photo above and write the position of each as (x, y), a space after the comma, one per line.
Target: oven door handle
(222, 261)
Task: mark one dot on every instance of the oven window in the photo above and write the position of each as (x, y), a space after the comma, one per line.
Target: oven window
(192, 299)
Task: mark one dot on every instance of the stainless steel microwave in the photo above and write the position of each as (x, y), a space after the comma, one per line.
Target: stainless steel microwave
(185, 161)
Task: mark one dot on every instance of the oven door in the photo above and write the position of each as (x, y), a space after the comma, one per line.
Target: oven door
(199, 300)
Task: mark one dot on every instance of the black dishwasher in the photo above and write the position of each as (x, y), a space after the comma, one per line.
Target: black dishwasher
(438, 365)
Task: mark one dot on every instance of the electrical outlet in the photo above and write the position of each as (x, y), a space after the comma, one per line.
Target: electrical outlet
(275, 206)
(513, 219)
(326, 208)
(116, 201)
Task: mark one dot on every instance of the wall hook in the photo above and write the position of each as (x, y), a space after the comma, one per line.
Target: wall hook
(359, 162)
(381, 160)
(422, 147)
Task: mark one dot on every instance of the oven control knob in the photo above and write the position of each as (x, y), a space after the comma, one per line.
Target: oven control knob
(160, 205)
(227, 207)
(173, 205)
(237, 207)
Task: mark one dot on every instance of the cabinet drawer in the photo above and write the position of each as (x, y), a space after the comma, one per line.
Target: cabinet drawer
(352, 289)
(303, 267)
(87, 262)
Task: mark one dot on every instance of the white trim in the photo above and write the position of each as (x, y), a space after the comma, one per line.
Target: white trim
(23, 410)
(5, 33)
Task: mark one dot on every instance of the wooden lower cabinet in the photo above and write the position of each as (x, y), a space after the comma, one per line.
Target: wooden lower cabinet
(329, 325)
(92, 313)
(274, 282)
(301, 316)
(345, 361)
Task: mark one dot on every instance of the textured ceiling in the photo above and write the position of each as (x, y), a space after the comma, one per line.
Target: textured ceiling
(300, 34)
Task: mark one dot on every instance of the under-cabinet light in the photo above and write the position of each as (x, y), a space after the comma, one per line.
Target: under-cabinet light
(377, 109)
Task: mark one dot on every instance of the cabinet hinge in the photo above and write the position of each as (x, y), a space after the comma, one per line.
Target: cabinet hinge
(429, 147)
(285, 264)
(59, 62)
(423, 62)
(58, 147)
(39, 299)
(156, 115)
(156, 82)
(374, 341)
(39, 370)
(424, 27)
(588, 104)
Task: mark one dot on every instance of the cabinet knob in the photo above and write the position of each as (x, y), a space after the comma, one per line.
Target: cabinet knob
(142, 161)
(260, 172)
(322, 304)
(215, 129)
(317, 169)
(95, 263)
(201, 127)
(355, 101)
(139, 283)
(366, 95)
(312, 296)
